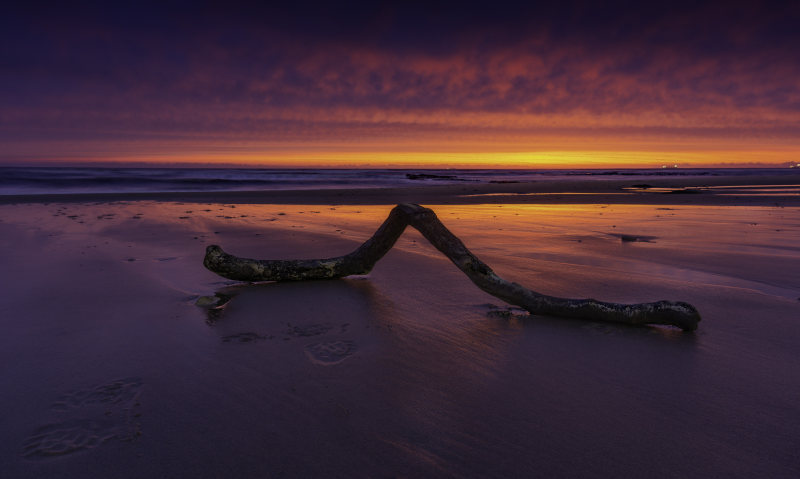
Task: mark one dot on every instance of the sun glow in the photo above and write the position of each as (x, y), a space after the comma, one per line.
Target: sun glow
(437, 159)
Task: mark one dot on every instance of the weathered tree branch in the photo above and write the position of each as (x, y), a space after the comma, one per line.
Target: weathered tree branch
(361, 261)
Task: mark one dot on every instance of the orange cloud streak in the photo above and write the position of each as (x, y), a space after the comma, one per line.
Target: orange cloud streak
(529, 104)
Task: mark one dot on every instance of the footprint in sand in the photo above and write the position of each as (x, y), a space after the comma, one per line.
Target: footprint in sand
(88, 418)
(309, 330)
(121, 391)
(330, 352)
(68, 437)
(244, 338)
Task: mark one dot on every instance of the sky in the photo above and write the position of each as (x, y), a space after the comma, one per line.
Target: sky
(382, 84)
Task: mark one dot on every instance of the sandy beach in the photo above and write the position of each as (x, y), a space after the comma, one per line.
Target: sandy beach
(109, 368)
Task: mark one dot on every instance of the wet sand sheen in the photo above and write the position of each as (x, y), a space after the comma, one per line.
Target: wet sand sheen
(411, 371)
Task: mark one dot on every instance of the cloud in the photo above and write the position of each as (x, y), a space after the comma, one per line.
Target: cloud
(383, 73)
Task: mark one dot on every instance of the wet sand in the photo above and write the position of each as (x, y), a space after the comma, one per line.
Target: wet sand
(109, 369)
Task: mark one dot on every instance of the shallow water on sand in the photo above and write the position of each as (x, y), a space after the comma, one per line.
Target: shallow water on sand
(411, 371)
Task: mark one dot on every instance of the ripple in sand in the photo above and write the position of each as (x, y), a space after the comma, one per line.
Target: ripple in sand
(330, 352)
(88, 418)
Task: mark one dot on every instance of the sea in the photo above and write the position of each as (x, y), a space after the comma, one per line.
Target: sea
(75, 180)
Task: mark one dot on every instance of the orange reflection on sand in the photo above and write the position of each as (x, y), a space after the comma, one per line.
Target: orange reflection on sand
(557, 249)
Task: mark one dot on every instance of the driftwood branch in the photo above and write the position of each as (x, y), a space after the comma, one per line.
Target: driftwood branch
(361, 261)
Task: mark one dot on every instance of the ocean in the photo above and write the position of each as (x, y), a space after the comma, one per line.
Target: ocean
(73, 180)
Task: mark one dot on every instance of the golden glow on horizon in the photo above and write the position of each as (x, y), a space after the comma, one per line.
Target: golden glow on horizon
(540, 159)
(456, 150)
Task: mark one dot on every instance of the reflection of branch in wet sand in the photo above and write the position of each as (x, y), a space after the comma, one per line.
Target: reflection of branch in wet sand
(299, 320)
(288, 315)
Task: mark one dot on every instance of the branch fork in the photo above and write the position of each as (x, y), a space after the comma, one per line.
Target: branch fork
(362, 260)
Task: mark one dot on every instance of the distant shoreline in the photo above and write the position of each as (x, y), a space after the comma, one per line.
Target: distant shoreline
(711, 190)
